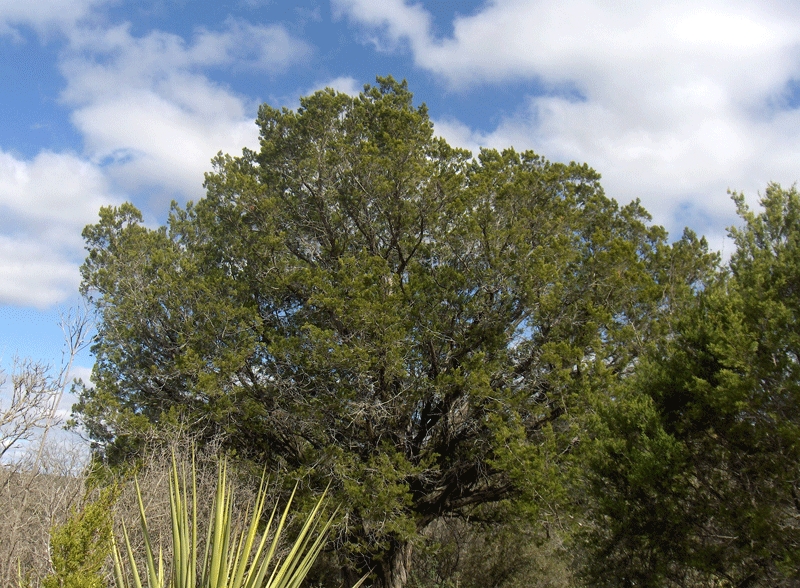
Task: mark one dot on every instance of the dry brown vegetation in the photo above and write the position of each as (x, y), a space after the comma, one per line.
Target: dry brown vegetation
(152, 473)
(37, 499)
(33, 500)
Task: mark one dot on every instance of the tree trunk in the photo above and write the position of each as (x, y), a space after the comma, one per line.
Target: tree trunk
(393, 571)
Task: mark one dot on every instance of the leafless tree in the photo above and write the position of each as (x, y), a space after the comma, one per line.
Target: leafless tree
(32, 399)
(36, 390)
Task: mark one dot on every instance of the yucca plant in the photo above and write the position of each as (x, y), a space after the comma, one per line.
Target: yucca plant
(231, 559)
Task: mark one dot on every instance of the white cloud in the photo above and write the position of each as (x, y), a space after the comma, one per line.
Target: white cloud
(394, 18)
(343, 84)
(44, 204)
(35, 275)
(265, 47)
(150, 120)
(672, 102)
(44, 15)
(147, 110)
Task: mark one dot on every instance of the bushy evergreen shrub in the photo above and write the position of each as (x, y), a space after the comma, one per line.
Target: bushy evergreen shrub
(80, 547)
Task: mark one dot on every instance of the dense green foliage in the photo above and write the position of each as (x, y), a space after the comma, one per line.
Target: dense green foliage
(694, 472)
(444, 336)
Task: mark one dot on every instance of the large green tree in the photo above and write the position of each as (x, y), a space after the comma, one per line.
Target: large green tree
(359, 301)
(694, 476)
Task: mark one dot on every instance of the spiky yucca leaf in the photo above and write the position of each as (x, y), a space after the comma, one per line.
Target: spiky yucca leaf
(230, 560)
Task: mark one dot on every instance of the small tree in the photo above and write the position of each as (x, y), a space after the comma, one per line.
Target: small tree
(30, 405)
(695, 472)
(80, 548)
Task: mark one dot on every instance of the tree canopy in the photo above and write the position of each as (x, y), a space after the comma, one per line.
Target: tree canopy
(359, 301)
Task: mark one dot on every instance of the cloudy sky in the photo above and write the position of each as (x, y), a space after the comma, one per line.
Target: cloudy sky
(103, 101)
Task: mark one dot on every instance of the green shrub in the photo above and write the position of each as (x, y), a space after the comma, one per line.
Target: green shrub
(80, 547)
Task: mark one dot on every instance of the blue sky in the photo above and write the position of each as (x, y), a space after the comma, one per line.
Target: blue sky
(106, 101)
